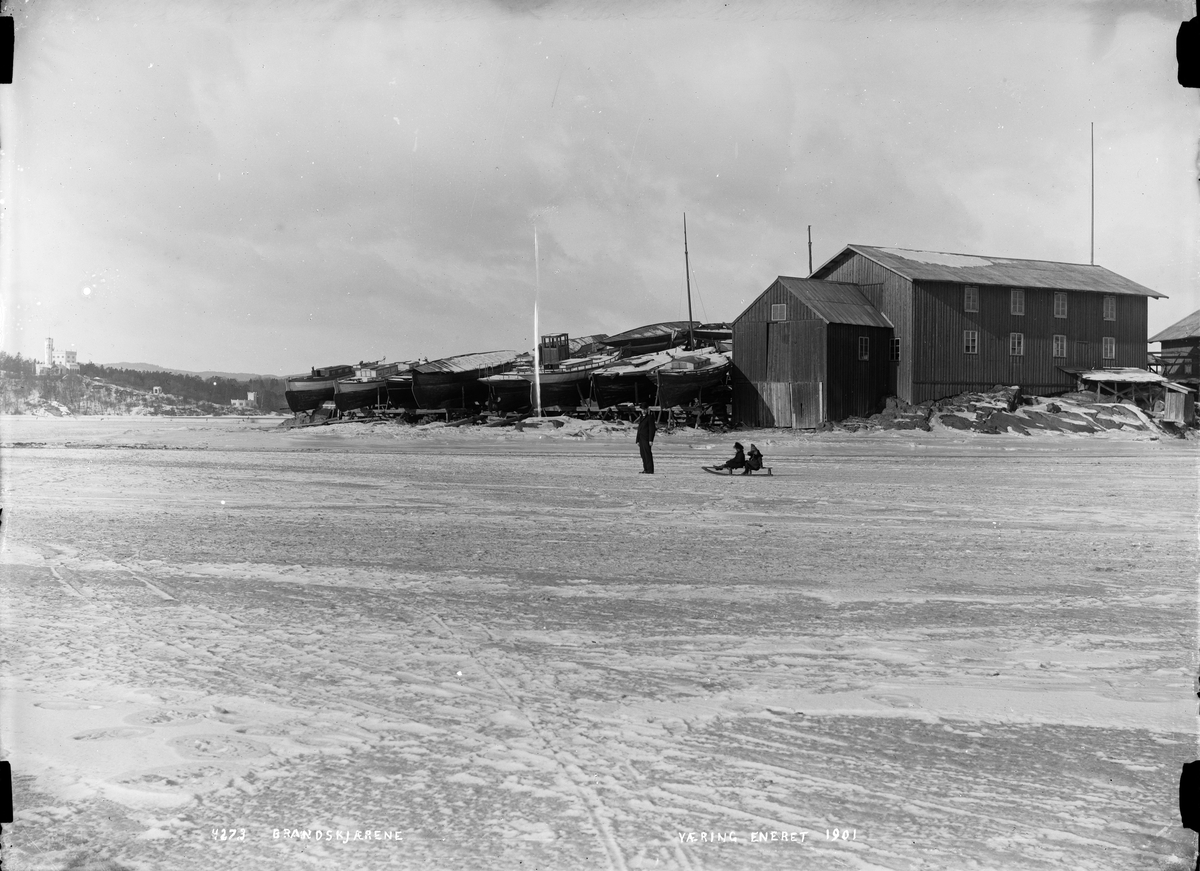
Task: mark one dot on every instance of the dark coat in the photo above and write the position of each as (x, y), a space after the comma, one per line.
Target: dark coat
(738, 461)
(646, 429)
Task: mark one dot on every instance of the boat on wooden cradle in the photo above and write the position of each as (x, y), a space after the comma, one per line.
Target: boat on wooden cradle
(454, 382)
(631, 379)
(310, 392)
(400, 390)
(565, 383)
(366, 388)
(568, 383)
(687, 378)
(507, 392)
(649, 338)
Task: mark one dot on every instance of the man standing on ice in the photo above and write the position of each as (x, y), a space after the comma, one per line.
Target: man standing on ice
(645, 437)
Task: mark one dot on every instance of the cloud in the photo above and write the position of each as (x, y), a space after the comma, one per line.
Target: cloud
(290, 190)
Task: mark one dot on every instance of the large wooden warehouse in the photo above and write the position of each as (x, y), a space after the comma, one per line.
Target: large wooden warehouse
(958, 323)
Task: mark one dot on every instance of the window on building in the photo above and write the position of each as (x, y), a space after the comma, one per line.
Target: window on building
(864, 348)
(1016, 302)
(779, 311)
(1016, 344)
(1110, 308)
(970, 341)
(1060, 346)
(970, 298)
(894, 355)
(1060, 305)
(1108, 348)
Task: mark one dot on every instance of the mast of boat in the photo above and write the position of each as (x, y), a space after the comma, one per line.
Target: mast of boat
(537, 355)
(688, 275)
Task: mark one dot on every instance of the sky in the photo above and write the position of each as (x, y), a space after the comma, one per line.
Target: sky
(265, 187)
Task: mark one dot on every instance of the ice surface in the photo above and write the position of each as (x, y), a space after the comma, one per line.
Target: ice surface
(233, 646)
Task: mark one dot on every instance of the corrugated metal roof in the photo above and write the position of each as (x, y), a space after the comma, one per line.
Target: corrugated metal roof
(468, 362)
(1187, 328)
(972, 269)
(835, 302)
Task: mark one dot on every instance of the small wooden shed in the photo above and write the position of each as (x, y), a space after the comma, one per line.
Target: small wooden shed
(808, 351)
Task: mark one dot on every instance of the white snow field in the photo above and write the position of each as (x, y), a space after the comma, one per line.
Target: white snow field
(229, 645)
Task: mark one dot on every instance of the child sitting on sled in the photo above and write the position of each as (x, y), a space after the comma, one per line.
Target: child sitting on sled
(754, 460)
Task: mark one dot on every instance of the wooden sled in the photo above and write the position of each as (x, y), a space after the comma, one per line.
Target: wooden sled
(721, 470)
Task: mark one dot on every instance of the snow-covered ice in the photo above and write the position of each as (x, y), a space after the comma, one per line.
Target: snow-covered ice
(229, 645)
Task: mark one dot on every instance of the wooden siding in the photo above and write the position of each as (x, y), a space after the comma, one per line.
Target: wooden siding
(1183, 366)
(854, 387)
(893, 296)
(777, 365)
(940, 368)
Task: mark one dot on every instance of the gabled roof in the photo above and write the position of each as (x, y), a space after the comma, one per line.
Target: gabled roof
(972, 269)
(1188, 328)
(835, 302)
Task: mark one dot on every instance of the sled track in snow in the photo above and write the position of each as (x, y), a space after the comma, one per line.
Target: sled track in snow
(587, 796)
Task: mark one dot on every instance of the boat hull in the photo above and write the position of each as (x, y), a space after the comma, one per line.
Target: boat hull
(451, 389)
(682, 386)
(400, 392)
(509, 393)
(308, 394)
(360, 393)
(610, 390)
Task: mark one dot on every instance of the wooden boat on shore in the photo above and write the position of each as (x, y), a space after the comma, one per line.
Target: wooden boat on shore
(631, 379)
(366, 388)
(309, 392)
(568, 383)
(565, 384)
(684, 380)
(507, 392)
(649, 338)
(454, 382)
(400, 390)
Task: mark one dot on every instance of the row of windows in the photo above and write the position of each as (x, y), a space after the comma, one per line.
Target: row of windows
(1016, 303)
(1016, 345)
(864, 349)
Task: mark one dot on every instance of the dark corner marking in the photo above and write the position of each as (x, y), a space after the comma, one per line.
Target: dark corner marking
(1187, 51)
(7, 40)
(6, 806)
(1189, 798)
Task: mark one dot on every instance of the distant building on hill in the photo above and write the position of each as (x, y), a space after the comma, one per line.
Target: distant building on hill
(56, 361)
(923, 325)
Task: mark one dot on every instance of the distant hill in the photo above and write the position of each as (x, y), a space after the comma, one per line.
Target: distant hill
(151, 367)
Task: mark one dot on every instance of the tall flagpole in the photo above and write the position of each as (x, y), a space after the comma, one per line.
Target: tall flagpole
(537, 355)
(687, 271)
(1092, 255)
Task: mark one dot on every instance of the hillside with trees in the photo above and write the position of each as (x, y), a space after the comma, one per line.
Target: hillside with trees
(97, 389)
